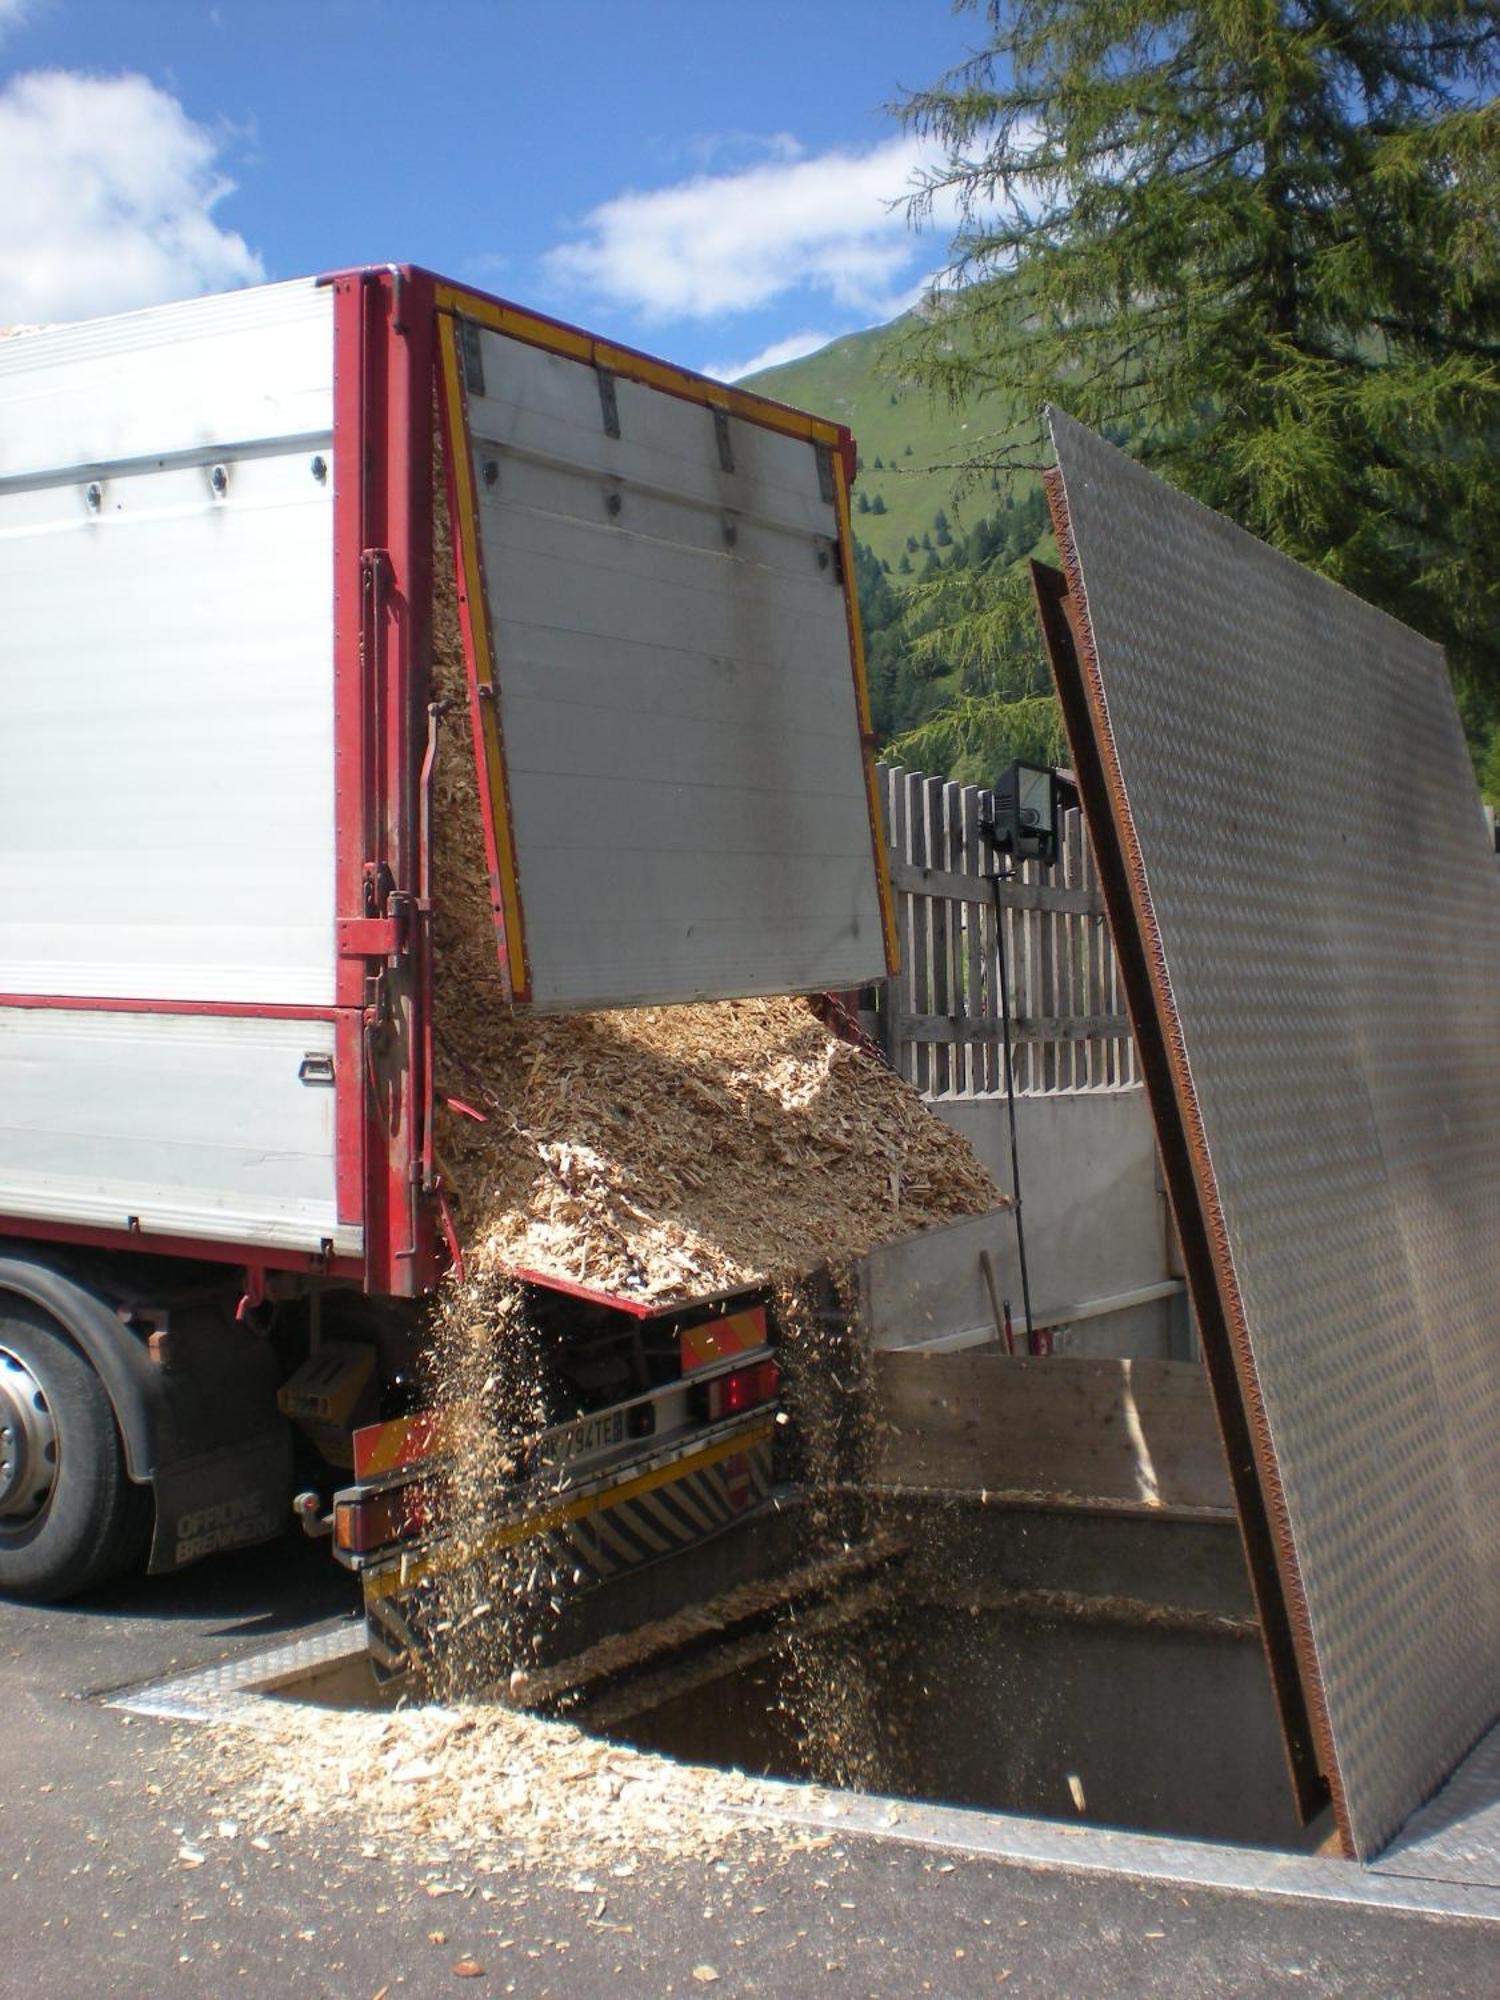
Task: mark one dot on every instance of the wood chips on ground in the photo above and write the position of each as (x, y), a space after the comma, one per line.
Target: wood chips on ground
(475, 1789)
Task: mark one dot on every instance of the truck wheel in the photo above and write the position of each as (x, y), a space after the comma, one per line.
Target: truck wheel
(69, 1515)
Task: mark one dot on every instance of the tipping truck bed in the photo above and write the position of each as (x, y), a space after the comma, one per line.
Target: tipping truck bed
(216, 556)
(218, 1166)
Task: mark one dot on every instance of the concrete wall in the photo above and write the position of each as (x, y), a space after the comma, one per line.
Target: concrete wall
(1096, 1231)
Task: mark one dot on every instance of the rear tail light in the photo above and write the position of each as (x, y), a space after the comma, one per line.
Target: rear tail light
(373, 1520)
(745, 1389)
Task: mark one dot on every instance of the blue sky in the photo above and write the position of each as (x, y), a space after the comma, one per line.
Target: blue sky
(711, 182)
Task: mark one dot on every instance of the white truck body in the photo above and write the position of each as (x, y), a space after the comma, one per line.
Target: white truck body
(166, 815)
(212, 637)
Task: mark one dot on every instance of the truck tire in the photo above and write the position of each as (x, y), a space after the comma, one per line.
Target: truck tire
(70, 1517)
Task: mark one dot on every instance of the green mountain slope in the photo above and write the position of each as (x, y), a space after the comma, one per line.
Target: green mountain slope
(955, 674)
(908, 444)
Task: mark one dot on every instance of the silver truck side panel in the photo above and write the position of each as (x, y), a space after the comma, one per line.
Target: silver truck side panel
(246, 367)
(177, 1124)
(167, 746)
(166, 717)
(676, 696)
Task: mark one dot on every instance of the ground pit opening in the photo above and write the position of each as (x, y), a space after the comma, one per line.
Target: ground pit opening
(1092, 1666)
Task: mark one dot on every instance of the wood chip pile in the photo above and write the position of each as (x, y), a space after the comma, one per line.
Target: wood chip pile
(663, 1152)
(474, 1790)
(478, 1790)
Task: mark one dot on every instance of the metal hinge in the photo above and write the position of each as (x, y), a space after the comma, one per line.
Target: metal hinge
(468, 340)
(609, 403)
(380, 1006)
(724, 441)
(375, 937)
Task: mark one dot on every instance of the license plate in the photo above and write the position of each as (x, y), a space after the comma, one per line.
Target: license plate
(592, 1434)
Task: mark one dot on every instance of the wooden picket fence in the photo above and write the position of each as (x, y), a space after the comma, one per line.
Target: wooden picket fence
(940, 1019)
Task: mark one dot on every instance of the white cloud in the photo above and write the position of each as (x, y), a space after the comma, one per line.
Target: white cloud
(733, 152)
(832, 222)
(110, 190)
(13, 13)
(792, 348)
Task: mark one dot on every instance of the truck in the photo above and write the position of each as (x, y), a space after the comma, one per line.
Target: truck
(221, 1214)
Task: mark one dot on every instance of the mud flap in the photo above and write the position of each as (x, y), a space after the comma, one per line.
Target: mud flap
(224, 1499)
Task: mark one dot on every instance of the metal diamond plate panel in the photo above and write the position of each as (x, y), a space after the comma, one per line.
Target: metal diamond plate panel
(1456, 1836)
(1280, 773)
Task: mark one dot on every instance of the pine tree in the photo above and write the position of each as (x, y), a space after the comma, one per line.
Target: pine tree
(877, 505)
(1258, 241)
(887, 664)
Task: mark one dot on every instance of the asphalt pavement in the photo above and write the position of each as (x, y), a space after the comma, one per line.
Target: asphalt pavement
(96, 1804)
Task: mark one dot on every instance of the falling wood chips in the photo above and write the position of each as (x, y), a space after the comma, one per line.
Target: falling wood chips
(661, 1152)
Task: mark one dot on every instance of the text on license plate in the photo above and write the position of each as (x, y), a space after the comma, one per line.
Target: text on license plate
(591, 1434)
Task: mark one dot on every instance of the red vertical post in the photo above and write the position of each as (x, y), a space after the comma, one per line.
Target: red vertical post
(382, 652)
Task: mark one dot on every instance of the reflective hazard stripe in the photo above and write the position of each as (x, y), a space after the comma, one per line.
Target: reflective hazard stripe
(404, 1617)
(735, 1473)
(720, 1339)
(401, 1442)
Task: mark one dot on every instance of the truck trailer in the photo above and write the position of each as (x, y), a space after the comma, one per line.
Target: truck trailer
(221, 1215)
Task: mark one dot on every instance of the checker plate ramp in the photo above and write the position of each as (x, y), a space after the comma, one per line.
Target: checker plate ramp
(1309, 922)
(1456, 1836)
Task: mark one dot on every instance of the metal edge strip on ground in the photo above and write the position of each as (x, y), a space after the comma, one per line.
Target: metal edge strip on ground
(1063, 615)
(484, 692)
(235, 1689)
(202, 1696)
(1015, 1840)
